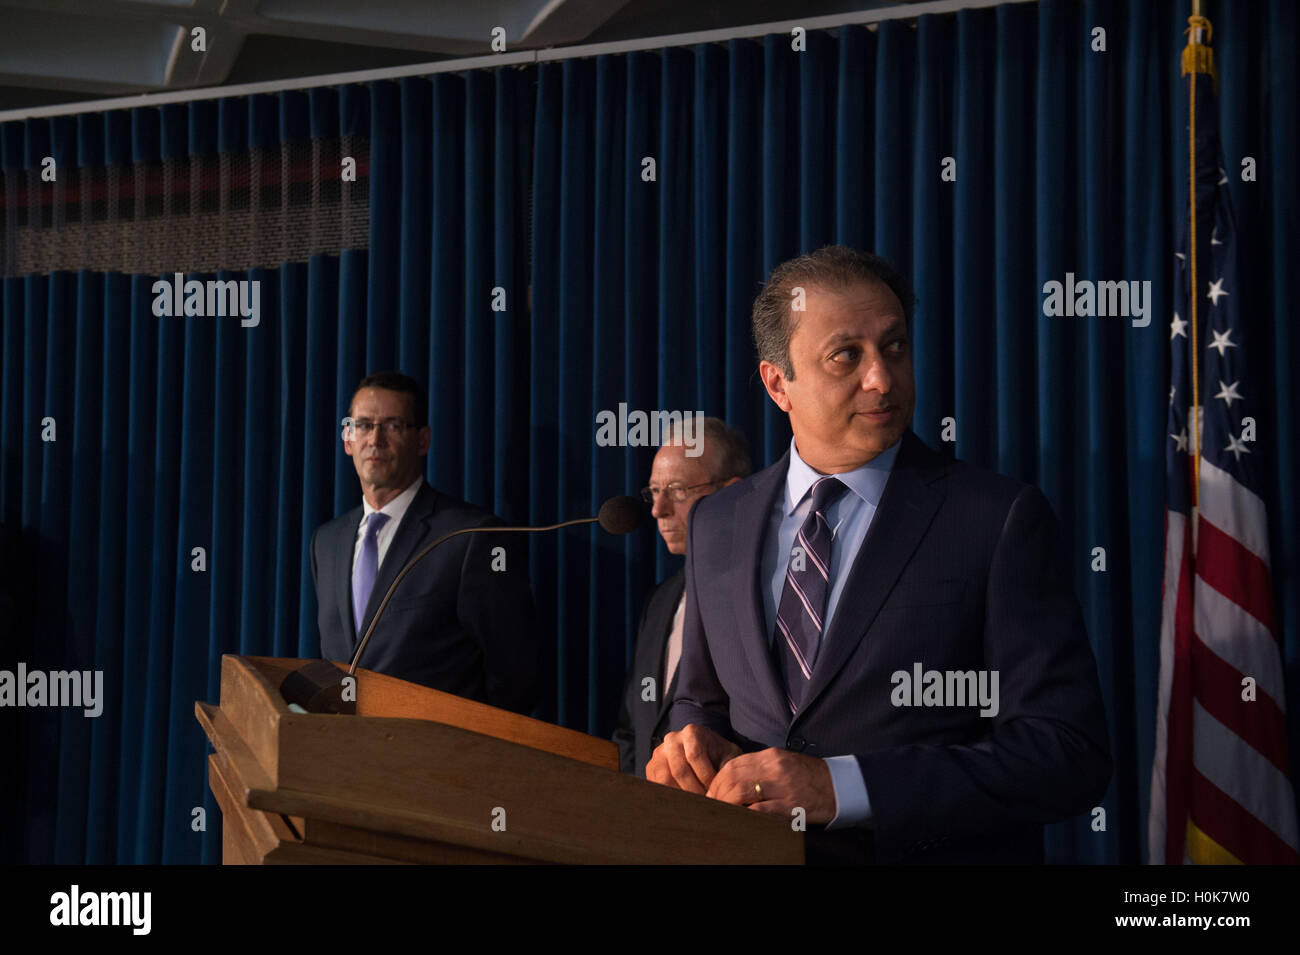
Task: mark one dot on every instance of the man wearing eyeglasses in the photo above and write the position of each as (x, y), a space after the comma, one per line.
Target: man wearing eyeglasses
(462, 620)
(677, 481)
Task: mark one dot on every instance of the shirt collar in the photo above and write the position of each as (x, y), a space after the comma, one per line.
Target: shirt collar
(867, 482)
(396, 508)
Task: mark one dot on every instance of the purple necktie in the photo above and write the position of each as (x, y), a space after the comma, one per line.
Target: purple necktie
(363, 575)
(799, 622)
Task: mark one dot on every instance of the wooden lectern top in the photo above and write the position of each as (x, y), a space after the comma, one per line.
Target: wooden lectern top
(418, 775)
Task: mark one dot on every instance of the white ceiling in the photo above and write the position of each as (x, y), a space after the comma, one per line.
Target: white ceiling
(59, 50)
(131, 46)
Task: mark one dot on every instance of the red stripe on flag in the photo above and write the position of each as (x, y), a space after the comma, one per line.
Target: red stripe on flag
(1259, 722)
(1178, 744)
(1224, 820)
(1232, 570)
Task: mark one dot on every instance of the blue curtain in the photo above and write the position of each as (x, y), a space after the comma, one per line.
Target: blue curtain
(627, 207)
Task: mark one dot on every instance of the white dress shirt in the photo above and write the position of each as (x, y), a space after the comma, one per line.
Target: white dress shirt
(673, 652)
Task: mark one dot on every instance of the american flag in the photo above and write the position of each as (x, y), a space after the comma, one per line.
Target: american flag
(1221, 790)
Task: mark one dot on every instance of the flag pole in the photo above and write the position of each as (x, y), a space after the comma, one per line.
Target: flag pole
(1197, 58)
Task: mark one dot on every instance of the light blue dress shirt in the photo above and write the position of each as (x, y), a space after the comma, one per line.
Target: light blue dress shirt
(850, 518)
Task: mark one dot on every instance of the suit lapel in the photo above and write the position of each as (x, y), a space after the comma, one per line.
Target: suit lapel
(414, 526)
(748, 533)
(907, 507)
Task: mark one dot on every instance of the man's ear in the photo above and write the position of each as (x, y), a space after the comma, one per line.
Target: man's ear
(774, 382)
(424, 438)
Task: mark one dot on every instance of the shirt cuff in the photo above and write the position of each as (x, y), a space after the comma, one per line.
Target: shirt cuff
(852, 805)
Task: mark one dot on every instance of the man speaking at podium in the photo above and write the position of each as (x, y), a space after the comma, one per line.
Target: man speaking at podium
(462, 620)
(875, 635)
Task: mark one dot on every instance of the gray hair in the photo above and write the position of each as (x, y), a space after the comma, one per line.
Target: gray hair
(728, 447)
(831, 267)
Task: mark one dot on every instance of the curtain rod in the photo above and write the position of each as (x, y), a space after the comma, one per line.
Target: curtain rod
(523, 57)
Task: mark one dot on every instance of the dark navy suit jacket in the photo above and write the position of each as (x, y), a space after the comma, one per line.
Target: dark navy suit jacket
(454, 623)
(642, 723)
(961, 569)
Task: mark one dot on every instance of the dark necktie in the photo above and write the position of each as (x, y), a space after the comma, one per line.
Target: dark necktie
(367, 569)
(799, 616)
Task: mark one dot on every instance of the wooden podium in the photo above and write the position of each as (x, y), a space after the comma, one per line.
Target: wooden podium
(421, 776)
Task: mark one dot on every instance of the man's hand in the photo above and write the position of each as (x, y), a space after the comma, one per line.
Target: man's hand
(785, 780)
(689, 759)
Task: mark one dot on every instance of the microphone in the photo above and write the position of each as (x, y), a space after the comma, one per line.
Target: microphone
(317, 687)
(620, 515)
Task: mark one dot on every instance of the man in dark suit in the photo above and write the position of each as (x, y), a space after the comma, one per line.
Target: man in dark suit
(823, 592)
(678, 479)
(462, 620)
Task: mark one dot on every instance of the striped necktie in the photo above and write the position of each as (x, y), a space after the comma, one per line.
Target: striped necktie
(799, 616)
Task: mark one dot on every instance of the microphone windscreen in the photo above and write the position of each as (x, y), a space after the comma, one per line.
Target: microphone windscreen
(620, 515)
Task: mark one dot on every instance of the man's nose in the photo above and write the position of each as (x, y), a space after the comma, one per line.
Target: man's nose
(663, 506)
(878, 377)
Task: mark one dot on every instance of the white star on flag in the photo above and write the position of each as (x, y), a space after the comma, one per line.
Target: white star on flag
(1229, 393)
(1180, 439)
(1236, 446)
(1178, 326)
(1216, 290)
(1221, 341)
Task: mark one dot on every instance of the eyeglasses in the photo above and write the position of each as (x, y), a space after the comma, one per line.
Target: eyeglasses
(393, 427)
(676, 491)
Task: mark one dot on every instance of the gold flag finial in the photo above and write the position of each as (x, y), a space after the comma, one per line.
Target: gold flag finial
(1197, 55)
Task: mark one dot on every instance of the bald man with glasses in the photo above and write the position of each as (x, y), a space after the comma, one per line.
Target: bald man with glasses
(677, 481)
